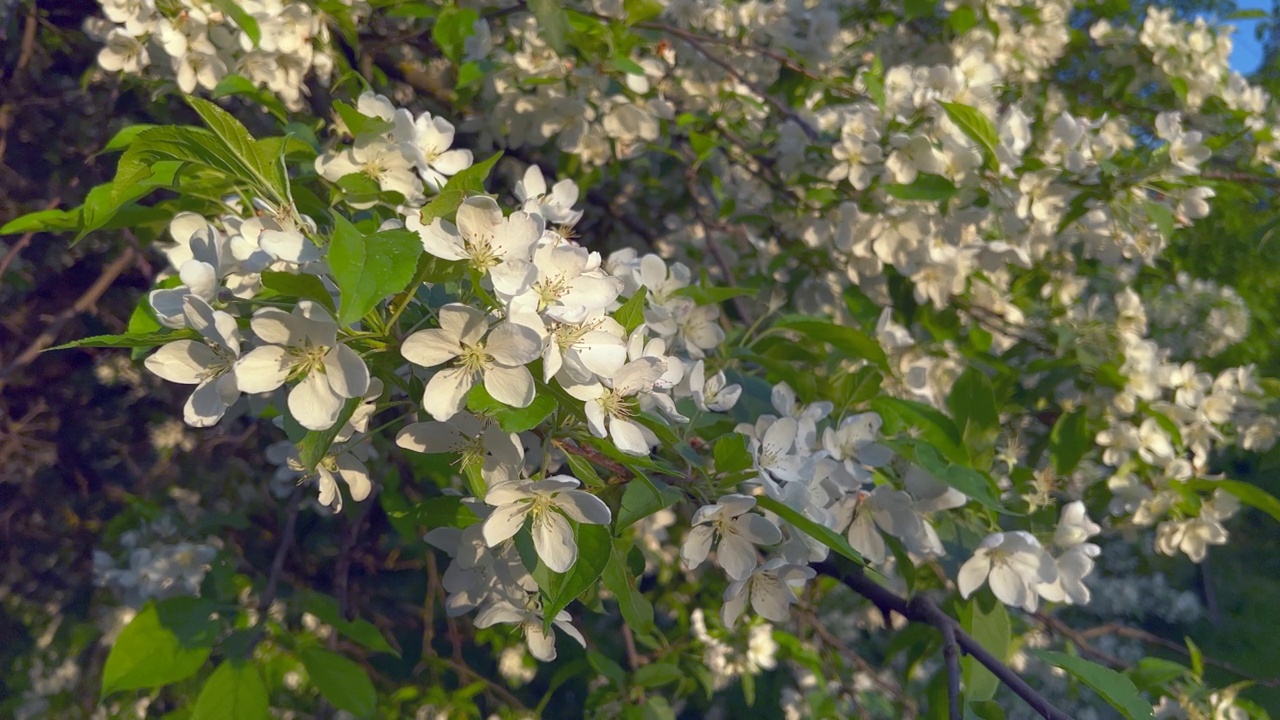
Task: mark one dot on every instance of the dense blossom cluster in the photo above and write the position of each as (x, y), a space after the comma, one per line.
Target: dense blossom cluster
(926, 186)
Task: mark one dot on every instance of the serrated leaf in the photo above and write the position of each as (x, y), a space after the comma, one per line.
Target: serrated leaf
(553, 23)
(631, 314)
(144, 340)
(298, 285)
(582, 469)
(512, 420)
(636, 609)
(731, 453)
(978, 128)
(359, 124)
(125, 137)
(360, 630)
(821, 533)
(370, 268)
(460, 186)
(237, 141)
(1117, 689)
(908, 416)
(642, 498)
(234, 690)
(342, 682)
(166, 641)
(43, 221)
(851, 341)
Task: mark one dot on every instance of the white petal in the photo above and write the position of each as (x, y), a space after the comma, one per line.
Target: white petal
(973, 573)
(498, 612)
(759, 529)
(182, 361)
(553, 538)
(737, 556)
(346, 372)
(440, 239)
(314, 404)
(262, 369)
(696, 546)
(583, 507)
(771, 602)
(512, 344)
(429, 348)
(510, 386)
(541, 645)
(446, 392)
(207, 404)
(628, 437)
(275, 326)
(356, 476)
(505, 522)
(463, 323)
(431, 437)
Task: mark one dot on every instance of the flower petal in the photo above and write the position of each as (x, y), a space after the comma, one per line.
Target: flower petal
(446, 392)
(505, 522)
(583, 507)
(263, 369)
(314, 404)
(553, 539)
(182, 361)
(346, 372)
(510, 385)
(429, 348)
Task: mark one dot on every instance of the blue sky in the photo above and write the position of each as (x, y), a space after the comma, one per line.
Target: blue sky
(1246, 52)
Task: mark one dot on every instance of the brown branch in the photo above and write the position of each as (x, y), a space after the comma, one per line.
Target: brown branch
(951, 656)
(921, 609)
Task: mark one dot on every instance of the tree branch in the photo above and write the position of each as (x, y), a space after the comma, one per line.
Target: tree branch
(923, 610)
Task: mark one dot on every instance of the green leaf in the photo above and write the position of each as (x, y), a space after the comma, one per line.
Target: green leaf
(582, 469)
(636, 609)
(125, 137)
(972, 403)
(978, 127)
(360, 630)
(928, 188)
(559, 589)
(639, 11)
(631, 314)
(441, 511)
(246, 21)
(104, 202)
(166, 642)
(359, 124)
(905, 416)
(1154, 674)
(1249, 494)
(984, 709)
(972, 483)
(731, 453)
(144, 340)
(316, 443)
(1161, 215)
(237, 141)
(1117, 689)
(369, 269)
(452, 28)
(183, 144)
(342, 682)
(512, 420)
(821, 533)
(234, 84)
(1069, 440)
(43, 221)
(987, 621)
(234, 690)
(656, 675)
(298, 285)
(606, 666)
(467, 182)
(553, 22)
(852, 342)
(642, 498)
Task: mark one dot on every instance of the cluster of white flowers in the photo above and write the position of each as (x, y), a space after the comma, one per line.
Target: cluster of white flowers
(272, 43)
(156, 571)
(725, 662)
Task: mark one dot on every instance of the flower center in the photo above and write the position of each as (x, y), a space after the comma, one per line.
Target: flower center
(474, 359)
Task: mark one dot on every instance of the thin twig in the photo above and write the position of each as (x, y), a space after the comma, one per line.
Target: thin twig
(282, 552)
(923, 610)
(951, 656)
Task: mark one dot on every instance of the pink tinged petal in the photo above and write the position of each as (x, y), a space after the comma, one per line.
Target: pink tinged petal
(505, 522)
(512, 344)
(275, 326)
(346, 372)
(356, 476)
(737, 556)
(314, 404)
(541, 645)
(462, 323)
(263, 369)
(429, 348)
(446, 392)
(206, 406)
(628, 437)
(453, 161)
(696, 546)
(182, 361)
(553, 539)
(759, 529)
(583, 507)
(973, 573)
(510, 386)
(442, 240)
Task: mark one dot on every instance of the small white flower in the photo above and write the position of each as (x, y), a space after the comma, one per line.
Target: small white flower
(739, 531)
(425, 142)
(550, 503)
(208, 365)
(303, 345)
(712, 394)
(488, 241)
(556, 207)
(771, 588)
(499, 358)
(609, 408)
(541, 644)
(1014, 564)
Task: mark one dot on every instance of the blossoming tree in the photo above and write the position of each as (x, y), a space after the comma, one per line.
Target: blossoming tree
(699, 352)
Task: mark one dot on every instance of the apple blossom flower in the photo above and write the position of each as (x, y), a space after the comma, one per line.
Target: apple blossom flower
(498, 357)
(609, 405)
(491, 243)
(542, 645)
(557, 206)
(1014, 564)
(771, 588)
(207, 363)
(302, 345)
(425, 143)
(550, 503)
(739, 530)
